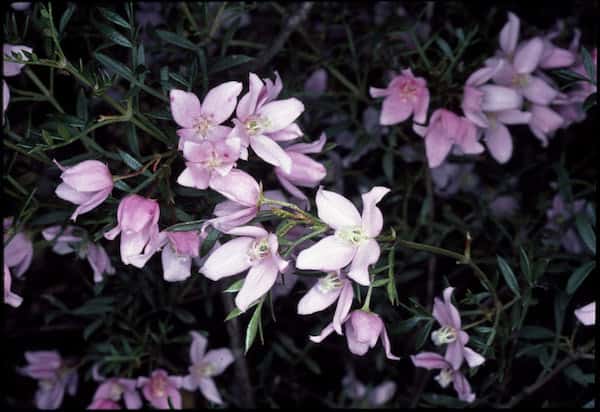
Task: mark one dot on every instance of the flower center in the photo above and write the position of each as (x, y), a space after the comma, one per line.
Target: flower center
(520, 80)
(352, 234)
(407, 89)
(115, 392)
(444, 378)
(213, 161)
(328, 283)
(446, 334)
(203, 370)
(255, 125)
(259, 250)
(203, 125)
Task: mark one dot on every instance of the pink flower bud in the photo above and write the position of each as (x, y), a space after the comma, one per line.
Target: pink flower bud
(18, 253)
(86, 184)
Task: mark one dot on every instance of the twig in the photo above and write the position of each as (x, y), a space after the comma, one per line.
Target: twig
(244, 389)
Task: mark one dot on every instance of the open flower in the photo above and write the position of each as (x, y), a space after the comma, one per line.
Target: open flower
(54, 377)
(203, 121)
(334, 286)
(86, 184)
(406, 95)
(206, 159)
(362, 329)
(446, 130)
(587, 314)
(18, 252)
(204, 366)
(110, 391)
(254, 249)
(432, 360)
(451, 334)
(160, 389)
(354, 237)
(305, 171)
(137, 221)
(10, 298)
(177, 254)
(10, 69)
(262, 121)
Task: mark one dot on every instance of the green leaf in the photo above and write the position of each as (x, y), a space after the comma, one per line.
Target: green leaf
(235, 312)
(444, 47)
(578, 276)
(509, 276)
(525, 266)
(82, 106)
(129, 160)
(253, 325)
(114, 36)
(91, 328)
(114, 18)
(186, 226)
(380, 282)
(184, 315)
(176, 40)
(586, 232)
(590, 101)
(575, 373)
(228, 62)
(64, 20)
(588, 64)
(114, 65)
(235, 286)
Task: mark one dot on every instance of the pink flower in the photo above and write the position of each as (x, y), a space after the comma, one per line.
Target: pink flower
(243, 193)
(254, 249)
(86, 184)
(334, 286)
(204, 366)
(199, 122)
(451, 334)
(137, 219)
(160, 389)
(316, 84)
(305, 171)
(262, 121)
(445, 130)
(206, 159)
(432, 360)
(10, 69)
(362, 329)
(18, 252)
(587, 314)
(54, 377)
(491, 107)
(67, 241)
(111, 390)
(177, 254)
(354, 237)
(406, 95)
(10, 298)
(521, 61)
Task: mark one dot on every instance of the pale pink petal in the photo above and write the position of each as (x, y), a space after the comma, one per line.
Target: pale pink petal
(454, 354)
(271, 152)
(538, 91)
(68, 193)
(219, 359)
(429, 360)
(382, 393)
(220, 101)
(259, 281)
(421, 106)
(194, 176)
(473, 358)
(209, 390)
(395, 109)
(499, 142)
(88, 176)
(94, 201)
(437, 146)
(10, 68)
(528, 55)
(496, 98)
(513, 117)
(376, 92)
(316, 300)
(230, 259)
(557, 58)
(290, 132)
(247, 104)
(198, 347)
(328, 330)
(5, 98)
(587, 314)
(185, 107)
(343, 306)
(462, 387)
(509, 35)
(386, 345)
(281, 113)
(314, 147)
(175, 267)
(329, 253)
(356, 346)
(132, 400)
(238, 186)
(366, 254)
(453, 314)
(248, 231)
(372, 219)
(335, 210)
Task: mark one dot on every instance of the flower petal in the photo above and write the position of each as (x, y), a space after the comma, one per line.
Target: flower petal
(528, 55)
(219, 360)
(473, 358)
(231, 258)
(343, 306)
(366, 254)
(209, 390)
(185, 107)
(220, 101)
(538, 91)
(509, 35)
(429, 360)
(268, 150)
(336, 210)
(259, 280)
(281, 113)
(372, 219)
(395, 110)
(499, 142)
(329, 253)
(316, 300)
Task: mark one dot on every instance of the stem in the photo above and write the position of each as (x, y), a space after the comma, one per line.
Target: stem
(189, 16)
(303, 215)
(43, 89)
(367, 305)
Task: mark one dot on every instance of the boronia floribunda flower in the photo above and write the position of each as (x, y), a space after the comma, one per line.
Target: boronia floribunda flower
(406, 95)
(354, 238)
(160, 389)
(10, 69)
(137, 222)
(203, 121)
(451, 334)
(178, 251)
(362, 329)
(432, 360)
(262, 121)
(204, 366)
(254, 249)
(86, 184)
(111, 390)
